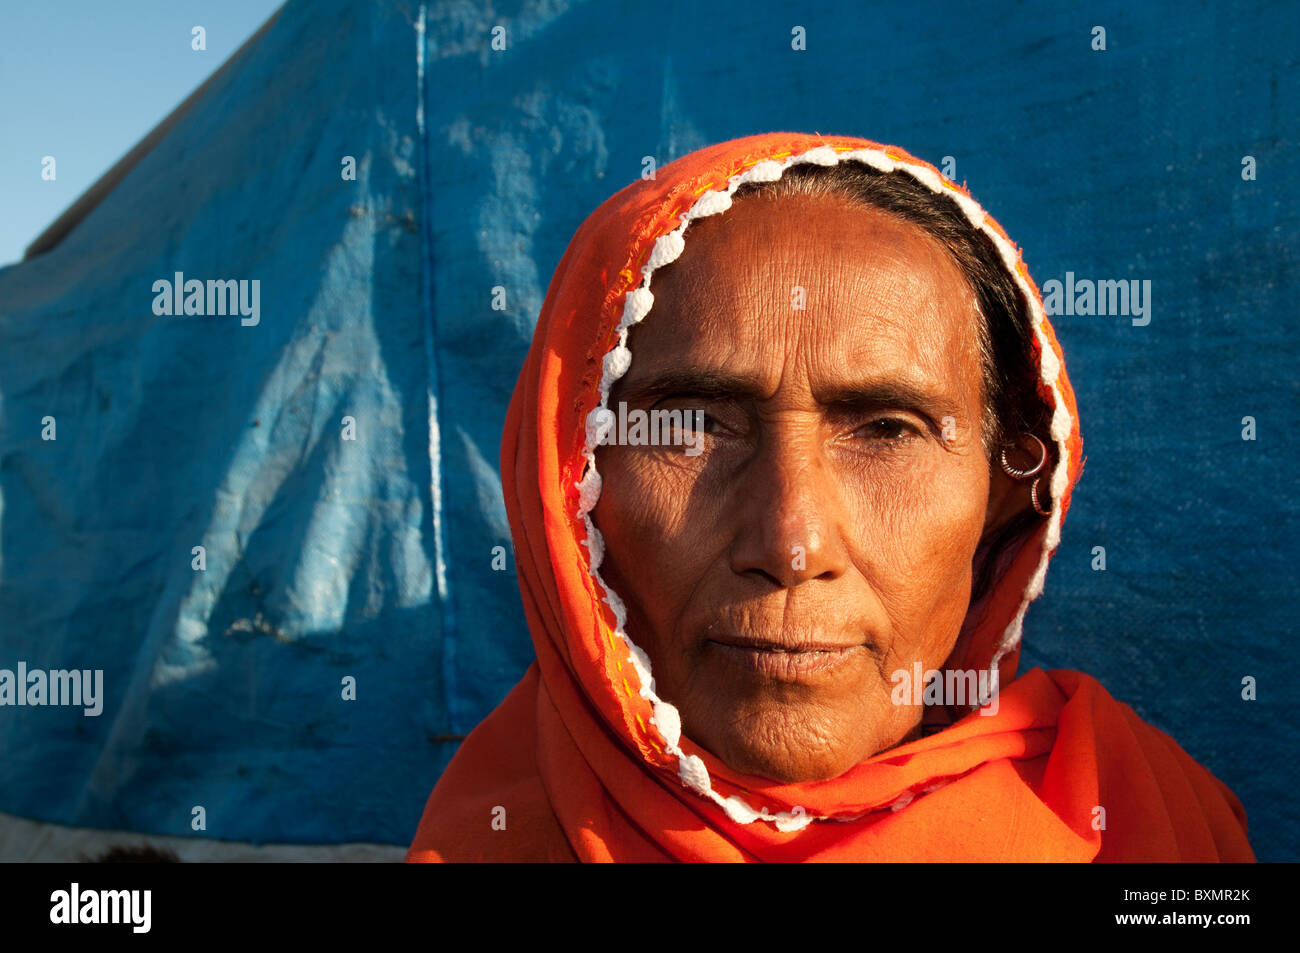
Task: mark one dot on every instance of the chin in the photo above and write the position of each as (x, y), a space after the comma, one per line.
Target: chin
(780, 767)
(768, 745)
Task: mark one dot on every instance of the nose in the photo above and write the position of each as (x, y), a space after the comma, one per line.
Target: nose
(790, 514)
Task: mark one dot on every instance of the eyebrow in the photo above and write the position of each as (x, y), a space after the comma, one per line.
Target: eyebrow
(710, 385)
(718, 385)
(891, 393)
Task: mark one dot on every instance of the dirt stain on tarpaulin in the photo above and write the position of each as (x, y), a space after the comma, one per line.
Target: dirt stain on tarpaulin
(260, 625)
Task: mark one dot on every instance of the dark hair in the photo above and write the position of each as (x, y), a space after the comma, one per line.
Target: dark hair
(1010, 373)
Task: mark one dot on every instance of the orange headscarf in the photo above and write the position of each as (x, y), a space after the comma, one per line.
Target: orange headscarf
(583, 761)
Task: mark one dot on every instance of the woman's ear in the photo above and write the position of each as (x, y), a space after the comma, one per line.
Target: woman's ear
(1008, 497)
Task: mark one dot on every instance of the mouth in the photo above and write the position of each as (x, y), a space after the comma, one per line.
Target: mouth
(784, 661)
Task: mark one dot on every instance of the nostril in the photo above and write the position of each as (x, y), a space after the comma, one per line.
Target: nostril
(757, 573)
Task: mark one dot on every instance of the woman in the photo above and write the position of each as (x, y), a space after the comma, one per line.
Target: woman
(784, 468)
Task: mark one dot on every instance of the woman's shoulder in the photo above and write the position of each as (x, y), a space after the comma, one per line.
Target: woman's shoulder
(490, 803)
(1154, 800)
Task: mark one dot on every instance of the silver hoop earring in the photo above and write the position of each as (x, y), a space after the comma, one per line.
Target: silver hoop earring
(1033, 496)
(1012, 472)
(1016, 474)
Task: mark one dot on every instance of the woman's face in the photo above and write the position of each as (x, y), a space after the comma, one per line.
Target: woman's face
(822, 538)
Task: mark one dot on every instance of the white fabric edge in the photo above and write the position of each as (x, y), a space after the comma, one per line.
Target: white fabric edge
(638, 302)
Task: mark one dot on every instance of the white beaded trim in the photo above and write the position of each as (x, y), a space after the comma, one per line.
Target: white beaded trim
(667, 248)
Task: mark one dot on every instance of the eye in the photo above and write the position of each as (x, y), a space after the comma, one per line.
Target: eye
(692, 411)
(711, 424)
(889, 430)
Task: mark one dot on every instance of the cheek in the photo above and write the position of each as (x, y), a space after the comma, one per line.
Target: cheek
(916, 533)
(652, 548)
(643, 497)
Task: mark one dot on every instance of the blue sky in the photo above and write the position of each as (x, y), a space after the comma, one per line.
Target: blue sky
(84, 82)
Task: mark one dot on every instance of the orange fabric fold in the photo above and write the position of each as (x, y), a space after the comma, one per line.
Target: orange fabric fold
(571, 765)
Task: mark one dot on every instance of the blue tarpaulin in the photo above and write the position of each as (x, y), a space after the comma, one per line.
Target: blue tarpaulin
(337, 459)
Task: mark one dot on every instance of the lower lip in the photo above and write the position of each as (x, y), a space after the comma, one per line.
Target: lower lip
(787, 666)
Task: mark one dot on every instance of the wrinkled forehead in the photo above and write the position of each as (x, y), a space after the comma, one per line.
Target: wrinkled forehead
(816, 288)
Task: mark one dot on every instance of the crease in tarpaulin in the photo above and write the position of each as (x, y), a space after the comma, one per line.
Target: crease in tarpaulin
(447, 613)
(638, 301)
